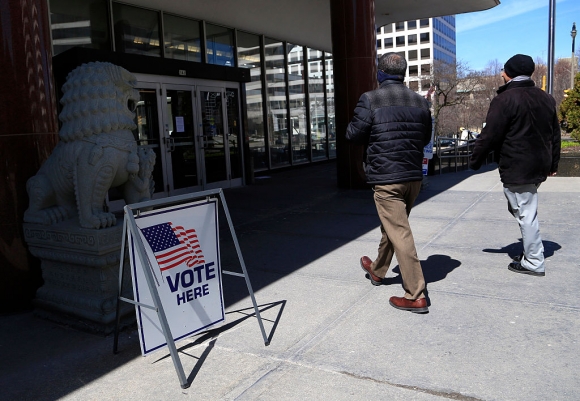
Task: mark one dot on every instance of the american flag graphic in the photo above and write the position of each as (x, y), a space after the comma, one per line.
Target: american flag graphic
(173, 245)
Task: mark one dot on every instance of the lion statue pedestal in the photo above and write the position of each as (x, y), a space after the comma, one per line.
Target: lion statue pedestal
(80, 268)
(67, 224)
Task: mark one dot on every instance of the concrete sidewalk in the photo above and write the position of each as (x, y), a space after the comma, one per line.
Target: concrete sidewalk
(491, 334)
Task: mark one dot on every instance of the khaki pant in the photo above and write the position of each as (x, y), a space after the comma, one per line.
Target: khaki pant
(394, 203)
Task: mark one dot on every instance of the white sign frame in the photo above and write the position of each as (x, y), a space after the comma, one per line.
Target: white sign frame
(131, 228)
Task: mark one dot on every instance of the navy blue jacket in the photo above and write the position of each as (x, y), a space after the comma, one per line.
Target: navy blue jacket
(394, 123)
(522, 127)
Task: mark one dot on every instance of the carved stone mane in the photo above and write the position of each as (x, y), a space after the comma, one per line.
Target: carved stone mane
(97, 151)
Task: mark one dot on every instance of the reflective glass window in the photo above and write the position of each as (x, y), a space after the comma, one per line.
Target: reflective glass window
(425, 69)
(219, 45)
(425, 53)
(296, 90)
(136, 30)
(182, 39)
(278, 135)
(413, 71)
(424, 37)
(330, 107)
(400, 26)
(79, 24)
(412, 55)
(400, 41)
(250, 56)
(317, 106)
(414, 85)
(388, 28)
(412, 24)
(412, 39)
(234, 134)
(388, 43)
(424, 23)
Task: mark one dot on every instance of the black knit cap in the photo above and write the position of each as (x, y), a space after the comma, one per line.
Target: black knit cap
(520, 64)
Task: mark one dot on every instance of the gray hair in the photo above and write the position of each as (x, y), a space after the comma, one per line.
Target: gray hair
(393, 64)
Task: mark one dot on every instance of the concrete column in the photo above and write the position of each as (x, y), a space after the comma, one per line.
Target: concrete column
(28, 133)
(355, 72)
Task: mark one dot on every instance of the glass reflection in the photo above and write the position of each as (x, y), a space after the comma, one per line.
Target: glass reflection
(182, 39)
(136, 30)
(330, 106)
(250, 56)
(219, 45)
(234, 134)
(79, 24)
(296, 80)
(276, 100)
(317, 104)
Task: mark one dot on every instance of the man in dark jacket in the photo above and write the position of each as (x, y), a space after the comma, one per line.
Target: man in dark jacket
(522, 127)
(394, 124)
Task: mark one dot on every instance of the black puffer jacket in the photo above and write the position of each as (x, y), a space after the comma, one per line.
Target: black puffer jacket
(522, 126)
(395, 125)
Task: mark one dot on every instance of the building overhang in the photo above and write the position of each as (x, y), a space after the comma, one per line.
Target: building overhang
(305, 22)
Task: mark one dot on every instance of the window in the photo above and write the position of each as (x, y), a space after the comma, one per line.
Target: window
(425, 85)
(278, 135)
(379, 44)
(388, 28)
(330, 107)
(399, 26)
(136, 30)
(414, 85)
(388, 43)
(424, 23)
(412, 24)
(424, 37)
(318, 137)
(400, 41)
(298, 123)
(79, 24)
(413, 71)
(412, 55)
(182, 38)
(250, 56)
(425, 69)
(412, 40)
(219, 45)
(425, 53)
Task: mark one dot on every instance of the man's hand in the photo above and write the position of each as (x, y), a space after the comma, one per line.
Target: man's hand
(553, 173)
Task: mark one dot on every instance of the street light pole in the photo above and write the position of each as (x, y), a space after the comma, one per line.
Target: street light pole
(551, 42)
(573, 59)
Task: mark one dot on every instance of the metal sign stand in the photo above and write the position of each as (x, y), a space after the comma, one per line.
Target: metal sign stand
(129, 225)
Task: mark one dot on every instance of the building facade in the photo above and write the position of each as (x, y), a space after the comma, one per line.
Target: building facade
(226, 89)
(422, 42)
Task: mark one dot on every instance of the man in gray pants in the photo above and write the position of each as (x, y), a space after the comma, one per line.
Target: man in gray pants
(522, 127)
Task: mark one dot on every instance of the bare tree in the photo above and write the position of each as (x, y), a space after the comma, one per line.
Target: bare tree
(453, 85)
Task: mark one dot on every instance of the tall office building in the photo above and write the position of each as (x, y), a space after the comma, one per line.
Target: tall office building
(422, 42)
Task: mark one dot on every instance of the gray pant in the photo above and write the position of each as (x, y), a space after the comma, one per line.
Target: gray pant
(523, 205)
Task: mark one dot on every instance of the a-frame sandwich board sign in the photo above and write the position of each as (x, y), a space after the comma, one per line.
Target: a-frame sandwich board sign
(174, 251)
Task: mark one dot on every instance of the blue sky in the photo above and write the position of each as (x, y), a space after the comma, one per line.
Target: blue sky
(515, 26)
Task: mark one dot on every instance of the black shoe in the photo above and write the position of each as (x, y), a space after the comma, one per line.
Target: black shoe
(518, 268)
(519, 258)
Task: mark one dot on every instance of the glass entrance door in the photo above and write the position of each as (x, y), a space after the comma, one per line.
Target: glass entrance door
(179, 139)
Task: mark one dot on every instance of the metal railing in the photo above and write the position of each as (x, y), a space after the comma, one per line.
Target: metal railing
(456, 151)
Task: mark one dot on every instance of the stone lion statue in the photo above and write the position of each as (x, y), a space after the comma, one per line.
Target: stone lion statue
(96, 151)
